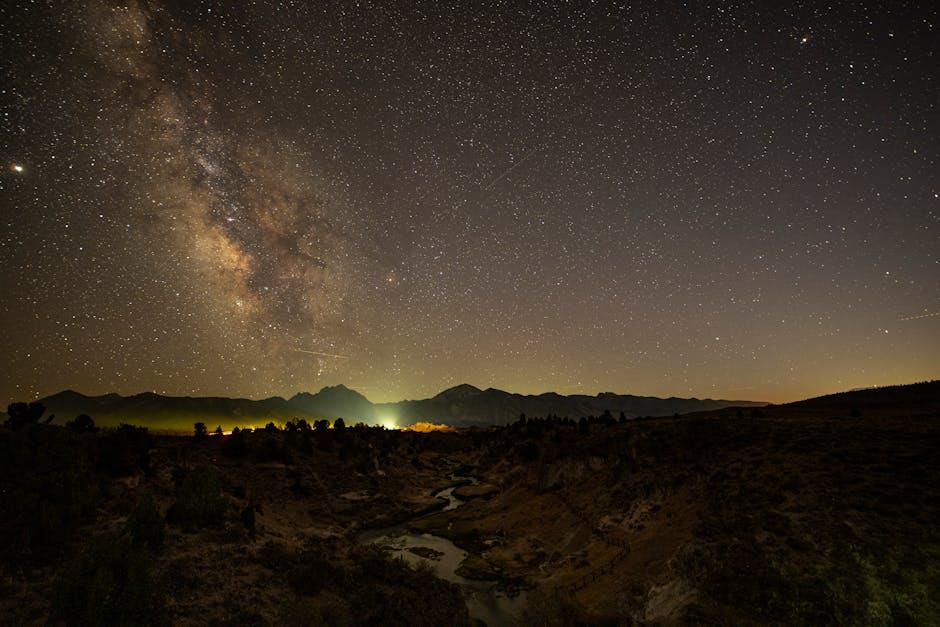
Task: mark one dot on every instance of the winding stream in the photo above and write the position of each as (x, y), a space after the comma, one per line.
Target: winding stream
(484, 602)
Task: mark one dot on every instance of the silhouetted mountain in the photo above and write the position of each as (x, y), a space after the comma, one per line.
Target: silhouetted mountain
(336, 401)
(464, 390)
(466, 405)
(169, 412)
(463, 405)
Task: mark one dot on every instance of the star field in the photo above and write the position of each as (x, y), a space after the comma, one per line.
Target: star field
(734, 200)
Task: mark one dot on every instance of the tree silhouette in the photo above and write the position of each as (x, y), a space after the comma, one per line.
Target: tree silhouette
(82, 424)
(22, 414)
(199, 430)
(340, 425)
(218, 430)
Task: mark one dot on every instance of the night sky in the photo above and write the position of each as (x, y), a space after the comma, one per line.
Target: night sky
(734, 200)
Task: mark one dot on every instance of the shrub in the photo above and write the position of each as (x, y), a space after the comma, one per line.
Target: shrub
(109, 584)
(199, 502)
(125, 450)
(235, 445)
(389, 592)
(313, 571)
(554, 609)
(275, 556)
(145, 525)
(270, 449)
(81, 424)
(303, 612)
(301, 440)
(23, 414)
(47, 488)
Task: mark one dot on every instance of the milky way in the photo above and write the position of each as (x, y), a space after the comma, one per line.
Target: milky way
(732, 200)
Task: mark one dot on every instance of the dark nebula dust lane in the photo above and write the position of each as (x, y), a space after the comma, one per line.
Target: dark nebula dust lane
(662, 198)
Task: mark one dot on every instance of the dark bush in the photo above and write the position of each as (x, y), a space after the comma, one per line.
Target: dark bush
(313, 570)
(199, 501)
(555, 609)
(528, 451)
(81, 424)
(389, 592)
(109, 584)
(235, 445)
(303, 612)
(125, 450)
(145, 525)
(270, 449)
(301, 440)
(47, 489)
(23, 414)
(276, 556)
(200, 431)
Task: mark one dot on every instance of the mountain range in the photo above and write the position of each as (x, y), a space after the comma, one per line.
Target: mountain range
(460, 406)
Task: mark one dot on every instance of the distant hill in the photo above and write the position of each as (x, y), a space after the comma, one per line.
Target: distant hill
(891, 399)
(334, 402)
(463, 405)
(167, 412)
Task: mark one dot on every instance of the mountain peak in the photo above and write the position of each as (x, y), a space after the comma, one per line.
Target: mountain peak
(463, 390)
(67, 394)
(339, 390)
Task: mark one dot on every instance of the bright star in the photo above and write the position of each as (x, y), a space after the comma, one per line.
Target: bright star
(16, 168)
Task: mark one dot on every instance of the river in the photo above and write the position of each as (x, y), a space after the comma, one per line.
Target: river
(484, 601)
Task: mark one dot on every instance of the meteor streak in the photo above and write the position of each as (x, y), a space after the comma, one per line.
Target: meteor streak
(309, 352)
(929, 315)
(511, 168)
